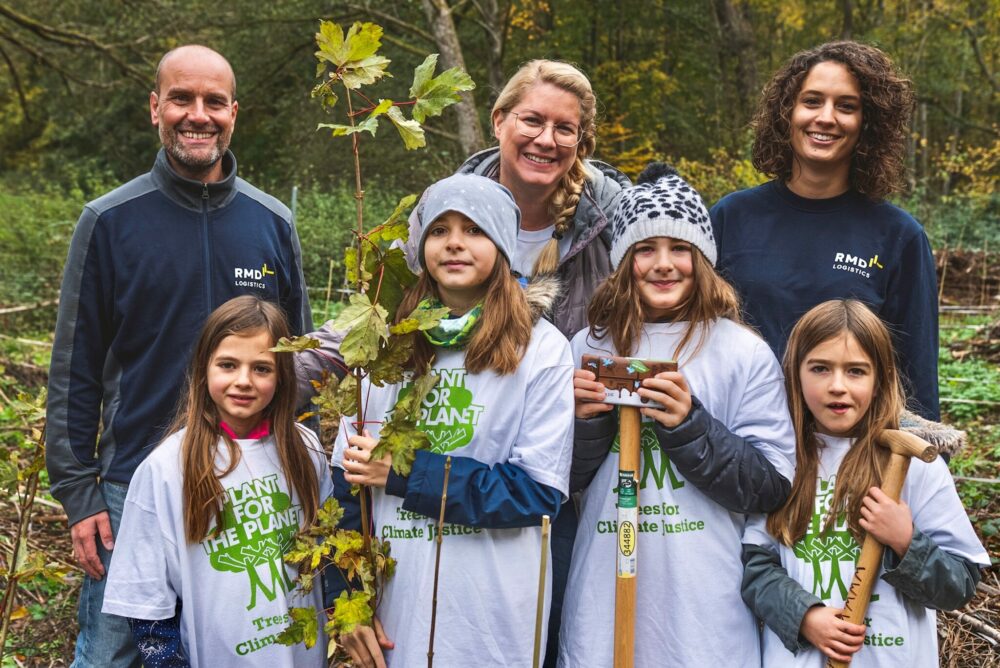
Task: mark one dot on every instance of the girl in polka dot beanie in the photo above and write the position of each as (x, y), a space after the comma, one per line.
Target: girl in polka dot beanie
(717, 442)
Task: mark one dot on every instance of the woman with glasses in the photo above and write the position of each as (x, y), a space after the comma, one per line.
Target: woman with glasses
(544, 124)
(831, 129)
(543, 120)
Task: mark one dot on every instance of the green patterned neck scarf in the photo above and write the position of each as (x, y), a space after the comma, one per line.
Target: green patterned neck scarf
(452, 332)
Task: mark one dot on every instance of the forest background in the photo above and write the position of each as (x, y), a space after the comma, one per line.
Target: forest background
(676, 81)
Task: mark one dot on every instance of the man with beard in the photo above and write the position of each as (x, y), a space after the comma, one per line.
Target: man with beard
(148, 262)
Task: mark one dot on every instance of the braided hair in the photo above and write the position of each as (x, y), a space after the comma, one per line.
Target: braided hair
(566, 197)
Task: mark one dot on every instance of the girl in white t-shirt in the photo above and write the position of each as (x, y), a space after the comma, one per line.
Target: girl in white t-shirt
(503, 411)
(198, 562)
(721, 446)
(843, 390)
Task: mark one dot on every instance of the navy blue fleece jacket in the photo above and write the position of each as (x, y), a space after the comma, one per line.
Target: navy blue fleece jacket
(785, 254)
(148, 263)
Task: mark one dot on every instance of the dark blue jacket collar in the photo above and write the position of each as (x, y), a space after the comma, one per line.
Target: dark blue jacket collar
(188, 192)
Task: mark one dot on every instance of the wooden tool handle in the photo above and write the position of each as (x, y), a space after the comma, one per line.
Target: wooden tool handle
(540, 609)
(629, 435)
(866, 571)
(905, 443)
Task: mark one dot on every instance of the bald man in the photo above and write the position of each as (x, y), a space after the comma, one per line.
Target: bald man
(147, 264)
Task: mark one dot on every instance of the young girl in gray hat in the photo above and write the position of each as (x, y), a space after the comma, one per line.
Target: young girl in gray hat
(720, 446)
(503, 411)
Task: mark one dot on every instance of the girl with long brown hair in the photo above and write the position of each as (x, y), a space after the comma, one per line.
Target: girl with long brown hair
(716, 444)
(843, 389)
(502, 410)
(198, 567)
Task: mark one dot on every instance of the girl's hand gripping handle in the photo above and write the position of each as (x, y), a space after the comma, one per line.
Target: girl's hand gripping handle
(671, 390)
(589, 395)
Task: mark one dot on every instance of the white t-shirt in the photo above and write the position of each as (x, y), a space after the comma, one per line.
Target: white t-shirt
(688, 606)
(529, 246)
(900, 633)
(488, 587)
(236, 589)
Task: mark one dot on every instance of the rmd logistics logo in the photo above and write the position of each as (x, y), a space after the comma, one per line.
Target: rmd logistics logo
(251, 278)
(856, 264)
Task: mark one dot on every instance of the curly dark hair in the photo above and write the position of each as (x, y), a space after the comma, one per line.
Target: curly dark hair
(886, 101)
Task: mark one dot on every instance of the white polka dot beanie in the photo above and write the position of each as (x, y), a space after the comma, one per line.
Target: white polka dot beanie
(483, 201)
(661, 204)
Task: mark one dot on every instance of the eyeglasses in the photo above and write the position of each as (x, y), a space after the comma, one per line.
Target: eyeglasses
(564, 134)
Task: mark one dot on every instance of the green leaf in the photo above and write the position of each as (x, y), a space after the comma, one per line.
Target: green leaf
(329, 514)
(351, 611)
(346, 543)
(405, 326)
(345, 399)
(330, 40)
(358, 310)
(396, 278)
(370, 124)
(422, 319)
(364, 72)
(388, 366)
(352, 55)
(399, 435)
(435, 94)
(366, 326)
(429, 318)
(351, 265)
(295, 344)
(303, 628)
(401, 440)
(363, 40)
(410, 131)
(395, 227)
(361, 344)
(422, 75)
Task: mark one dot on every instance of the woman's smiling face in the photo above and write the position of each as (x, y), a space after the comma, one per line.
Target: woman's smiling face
(527, 164)
(826, 118)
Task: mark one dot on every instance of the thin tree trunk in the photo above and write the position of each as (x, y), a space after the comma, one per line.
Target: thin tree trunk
(737, 52)
(470, 131)
(847, 27)
(493, 21)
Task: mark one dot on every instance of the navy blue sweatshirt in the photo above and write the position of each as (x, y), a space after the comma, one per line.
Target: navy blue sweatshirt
(785, 254)
(148, 263)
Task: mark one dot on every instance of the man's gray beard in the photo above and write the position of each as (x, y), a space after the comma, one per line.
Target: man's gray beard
(170, 141)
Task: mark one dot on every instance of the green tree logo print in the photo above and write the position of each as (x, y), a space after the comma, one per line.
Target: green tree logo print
(827, 551)
(258, 525)
(654, 463)
(448, 415)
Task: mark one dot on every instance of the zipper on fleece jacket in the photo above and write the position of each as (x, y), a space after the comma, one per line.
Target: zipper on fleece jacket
(206, 249)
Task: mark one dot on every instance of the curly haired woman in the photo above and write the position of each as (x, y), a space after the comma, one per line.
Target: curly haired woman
(830, 130)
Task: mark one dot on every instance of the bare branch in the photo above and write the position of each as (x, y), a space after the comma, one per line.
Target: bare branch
(979, 59)
(17, 84)
(441, 133)
(395, 20)
(66, 75)
(952, 115)
(281, 66)
(405, 46)
(72, 38)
